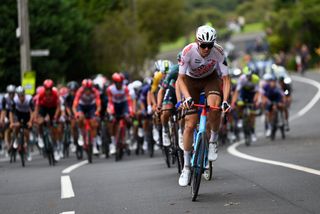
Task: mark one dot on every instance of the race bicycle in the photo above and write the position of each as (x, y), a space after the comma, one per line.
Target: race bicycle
(199, 160)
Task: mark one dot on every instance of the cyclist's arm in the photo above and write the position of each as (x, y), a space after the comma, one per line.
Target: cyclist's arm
(11, 117)
(76, 102)
(58, 109)
(110, 103)
(98, 100)
(178, 91)
(31, 110)
(223, 66)
(36, 109)
(183, 67)
(160, 97)
(183, 86)
(4, 111)
(129, 100)
(234, 98)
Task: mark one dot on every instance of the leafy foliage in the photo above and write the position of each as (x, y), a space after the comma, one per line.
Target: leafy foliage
(300, 20)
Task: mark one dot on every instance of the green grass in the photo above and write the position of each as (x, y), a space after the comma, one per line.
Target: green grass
(182, 41)
(178, 44)
(253, 27)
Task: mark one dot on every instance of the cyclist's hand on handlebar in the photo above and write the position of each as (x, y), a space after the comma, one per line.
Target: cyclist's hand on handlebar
(233, 105)
(111, 117)
(225, 106)
(149, 109)
(159, 109)
(77, 115)
(187, 103)
(29, 124)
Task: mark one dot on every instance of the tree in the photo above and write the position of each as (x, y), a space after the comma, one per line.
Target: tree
(118, 43)
(9, 48)
(54, 25)
(59, 26)
(211, 14)
(162, 20)
(294, 23)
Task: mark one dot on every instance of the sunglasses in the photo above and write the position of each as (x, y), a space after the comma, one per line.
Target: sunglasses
(206, 45)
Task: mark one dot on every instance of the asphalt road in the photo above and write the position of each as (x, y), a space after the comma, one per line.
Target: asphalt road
(144, 185)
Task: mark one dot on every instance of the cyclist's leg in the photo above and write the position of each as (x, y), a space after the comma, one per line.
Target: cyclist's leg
(167, 106)
(214, 93)
(191, 119)
(25, 118)
(40, 121)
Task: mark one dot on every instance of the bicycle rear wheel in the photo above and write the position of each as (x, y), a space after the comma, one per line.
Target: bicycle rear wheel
(198, 167)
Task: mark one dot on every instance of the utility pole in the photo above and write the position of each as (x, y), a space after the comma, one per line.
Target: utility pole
(23, 20)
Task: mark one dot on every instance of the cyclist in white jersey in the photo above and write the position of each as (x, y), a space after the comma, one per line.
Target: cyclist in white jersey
(21, 114)
(203, 67)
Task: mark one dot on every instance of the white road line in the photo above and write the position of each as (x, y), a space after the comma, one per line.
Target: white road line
(313, 101)
(66, 187)
(74, 166)
(68, 212)
(233, 148)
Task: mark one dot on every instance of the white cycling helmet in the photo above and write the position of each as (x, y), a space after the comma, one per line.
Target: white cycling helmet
(206, 34)
(135, 84)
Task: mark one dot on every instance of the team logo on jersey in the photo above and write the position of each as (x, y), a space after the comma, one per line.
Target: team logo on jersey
(203, 69)
(197, 61)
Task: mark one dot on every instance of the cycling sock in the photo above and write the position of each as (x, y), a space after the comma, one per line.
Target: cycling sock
(113, 140)
(213, 136)
(166, 128)
(187, 157)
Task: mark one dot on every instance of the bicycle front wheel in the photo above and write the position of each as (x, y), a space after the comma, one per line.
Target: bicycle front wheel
(198, 166)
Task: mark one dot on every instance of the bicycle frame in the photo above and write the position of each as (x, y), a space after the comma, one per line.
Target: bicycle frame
(202, 128)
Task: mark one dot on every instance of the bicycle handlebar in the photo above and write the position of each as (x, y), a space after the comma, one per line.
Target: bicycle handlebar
(207, 106)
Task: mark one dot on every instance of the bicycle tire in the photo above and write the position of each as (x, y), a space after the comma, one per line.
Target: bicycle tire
(89, 153)
(198, 167)
(104, 137)
(274, 125)
(283, 132)
(120, 144)
(207, 175)
(22, 150)
(48, 147)
(246, 130)
(167, 155)
(22, 157)
(181, 160)
(13, 154)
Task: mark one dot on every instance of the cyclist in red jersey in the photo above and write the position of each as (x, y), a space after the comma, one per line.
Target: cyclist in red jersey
(120, 104)
(87, 104)
(47, 104)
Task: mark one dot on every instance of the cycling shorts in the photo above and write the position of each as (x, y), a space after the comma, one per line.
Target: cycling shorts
(44, 111)
(88, 110)
(22, 117)
(246, 96)
(170, 96)
(211, 85)
(121, 109)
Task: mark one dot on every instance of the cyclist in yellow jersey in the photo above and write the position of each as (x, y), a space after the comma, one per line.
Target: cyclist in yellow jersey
(247, 92)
